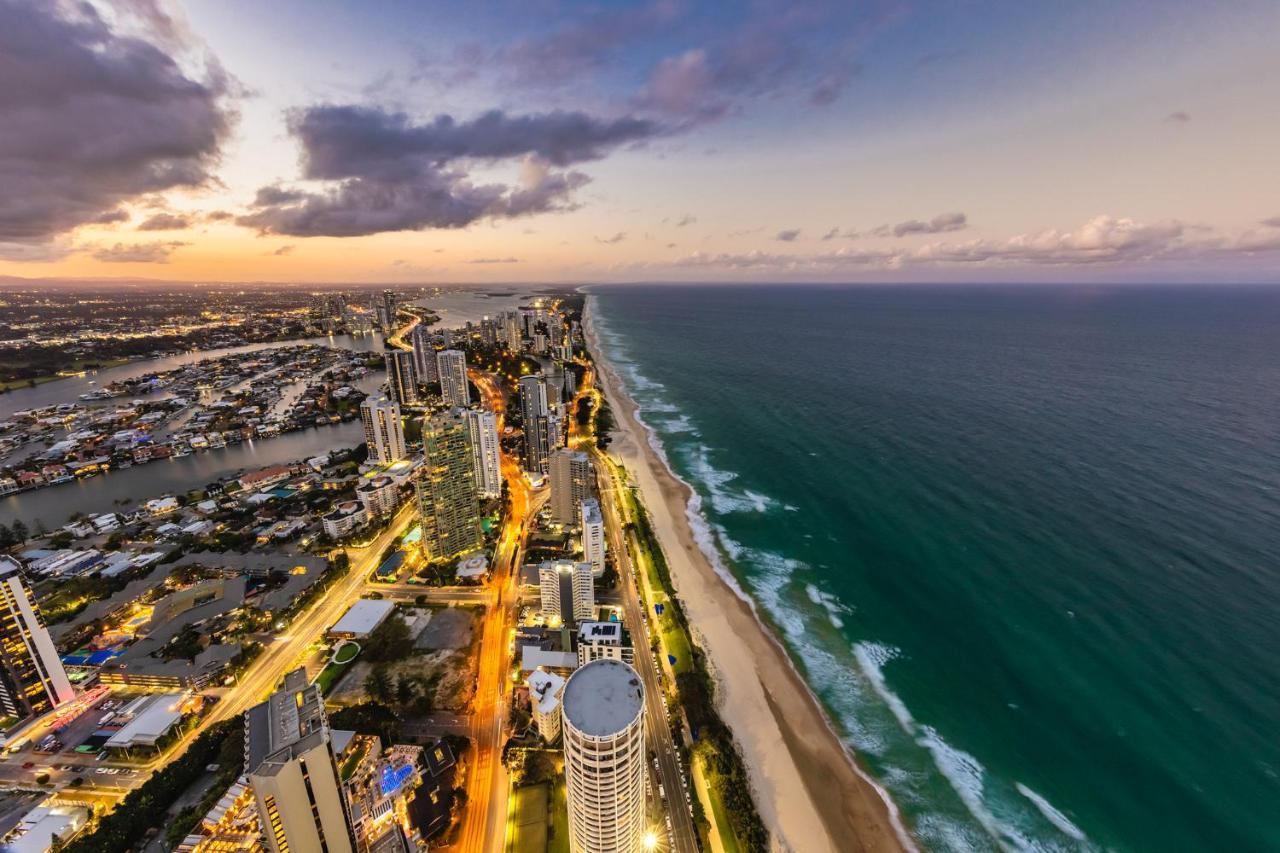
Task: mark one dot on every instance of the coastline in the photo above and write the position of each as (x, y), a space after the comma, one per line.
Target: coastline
(808, 787)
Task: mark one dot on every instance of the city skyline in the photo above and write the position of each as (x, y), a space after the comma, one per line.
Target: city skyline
(645, 141)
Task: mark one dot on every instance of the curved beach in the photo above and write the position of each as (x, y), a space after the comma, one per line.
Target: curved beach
(810, 791)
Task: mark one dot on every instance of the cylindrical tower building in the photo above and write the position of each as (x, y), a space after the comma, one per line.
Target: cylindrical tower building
(604, 758)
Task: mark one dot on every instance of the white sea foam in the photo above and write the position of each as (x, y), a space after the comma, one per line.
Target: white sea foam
(836, 609)
(872, 658)
(1051, 814)
(724, 500)
(966, 777)
(681, 424)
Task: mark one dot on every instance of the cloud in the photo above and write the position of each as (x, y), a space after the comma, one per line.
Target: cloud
(616, 238)
(138, 253)
(283, 250)
(787, 236)
(1178, 117)
(687, 219)
(585, 44)
(383, 172)
(91, 116)
(219, 216)
(110, 217)
(937, 225)
(1272, 222)
(494, 261)
(165, 222)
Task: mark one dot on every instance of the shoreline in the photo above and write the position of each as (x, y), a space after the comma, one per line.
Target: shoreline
(791, 750)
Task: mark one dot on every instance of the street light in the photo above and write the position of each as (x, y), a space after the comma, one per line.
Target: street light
(650, 841)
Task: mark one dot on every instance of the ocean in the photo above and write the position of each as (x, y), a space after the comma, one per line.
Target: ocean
(1023, 542)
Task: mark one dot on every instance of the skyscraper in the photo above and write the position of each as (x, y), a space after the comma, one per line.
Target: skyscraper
(290, 766)
(533, 410)
(602, 724)
(402, 379)
(567, 591)
(32, 680)
(424, 355)
(511, 330)
(452, 366)
(383, 429)
(482, 428)
(557, 430)
(593, 544)
(570, 485)
(446, 489)
(389, 308)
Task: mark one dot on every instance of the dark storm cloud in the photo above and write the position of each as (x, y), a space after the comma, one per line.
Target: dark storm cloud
(391, 174)
(90, 118)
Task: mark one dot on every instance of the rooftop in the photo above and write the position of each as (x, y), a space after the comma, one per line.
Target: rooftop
(602, 698)
(363, 616)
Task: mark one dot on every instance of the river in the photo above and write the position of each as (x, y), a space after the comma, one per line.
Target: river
(52, 506)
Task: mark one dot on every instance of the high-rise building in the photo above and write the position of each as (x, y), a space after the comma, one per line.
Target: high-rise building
(488, 331)
(570, 485)
(511, 333)
(557, 430)
(402, 379)
(424, 355)
(452, 366)
(290, 766)
(32, 680)
(567, 591)
(593, 545)
(389, 308)
(602, 724)
(533, 410)
(482, 428)
(569, 384)
(383, 429)
(446, 488)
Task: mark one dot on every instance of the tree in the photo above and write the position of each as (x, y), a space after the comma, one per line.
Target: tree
(378, 684)
(389, 641)
(20, 532)
(6, 537)
(406, 690)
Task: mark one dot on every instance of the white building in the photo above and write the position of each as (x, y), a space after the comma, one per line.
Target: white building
(570, 485)
(153, 718)
(344, 519)
(593, 541)
(483, 427)
(544, 696)
(383, 429)
(37, 829)
(362, 618)
(567, 591)
(604, 640)
(452, 366)
(33, 681)
(602, 723)
(291, 769)
(379, 495)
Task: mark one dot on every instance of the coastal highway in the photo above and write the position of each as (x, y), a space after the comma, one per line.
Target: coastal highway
(684, 834)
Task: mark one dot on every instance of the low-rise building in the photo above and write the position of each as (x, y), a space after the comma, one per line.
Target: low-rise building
(379, 495)
(361, 619)
(344, 519)
(545, 689)
(38, 828)
(152, 717)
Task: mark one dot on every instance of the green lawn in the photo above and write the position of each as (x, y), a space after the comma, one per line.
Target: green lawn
(529, 817)
(727, 839)
(330, 674)
(559, 842)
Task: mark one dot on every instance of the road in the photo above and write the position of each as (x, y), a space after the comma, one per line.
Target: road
(484, 821)
(683, 832)
(287, 651)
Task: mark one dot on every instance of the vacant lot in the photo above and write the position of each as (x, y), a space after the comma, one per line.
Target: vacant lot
(449, 628)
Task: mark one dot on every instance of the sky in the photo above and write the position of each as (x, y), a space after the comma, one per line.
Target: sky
(654, 140)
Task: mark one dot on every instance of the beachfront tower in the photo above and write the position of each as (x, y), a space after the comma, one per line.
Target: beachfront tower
(568, 593)
(602, 723)
(446, 487)
(451, 364)
(593, 546)
(570, 486)
(402, 379)
(32, 680)
(383, 429)
(482, 427)
(290, 767)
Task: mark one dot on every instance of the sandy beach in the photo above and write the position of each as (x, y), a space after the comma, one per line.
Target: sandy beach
(808, 787)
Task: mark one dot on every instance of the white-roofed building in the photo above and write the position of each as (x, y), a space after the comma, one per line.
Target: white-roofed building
(38, 828)
(153, 718)
(362, 618)
(544, 695)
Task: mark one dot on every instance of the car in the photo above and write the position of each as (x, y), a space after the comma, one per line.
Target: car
(27, 765)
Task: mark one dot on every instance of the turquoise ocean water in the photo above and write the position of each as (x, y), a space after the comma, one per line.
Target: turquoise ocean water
(1024, 543)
